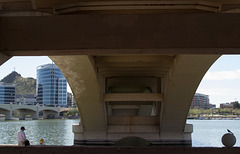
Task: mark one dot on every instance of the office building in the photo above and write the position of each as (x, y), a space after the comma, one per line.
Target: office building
(7, 93)
(51, 86)
(200, 101)
(226, 105)
(69, 99)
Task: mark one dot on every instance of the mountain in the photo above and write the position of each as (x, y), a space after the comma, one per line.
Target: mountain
(24, 85)
(10, 78)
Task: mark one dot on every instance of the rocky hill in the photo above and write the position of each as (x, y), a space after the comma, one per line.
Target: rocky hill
(24, 85)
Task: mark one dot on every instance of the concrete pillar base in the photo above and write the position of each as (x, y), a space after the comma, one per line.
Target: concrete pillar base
(103, 138)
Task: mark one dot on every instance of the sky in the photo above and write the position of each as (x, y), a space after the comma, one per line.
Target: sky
(221, 82)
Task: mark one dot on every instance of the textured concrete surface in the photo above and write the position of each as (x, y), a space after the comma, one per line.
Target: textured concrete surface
(112, 150)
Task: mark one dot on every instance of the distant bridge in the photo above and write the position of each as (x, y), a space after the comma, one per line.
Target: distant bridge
(33, 110)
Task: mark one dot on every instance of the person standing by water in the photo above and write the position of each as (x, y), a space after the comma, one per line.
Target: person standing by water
(21, 137)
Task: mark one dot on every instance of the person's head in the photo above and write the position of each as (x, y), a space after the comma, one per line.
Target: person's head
(22, 128)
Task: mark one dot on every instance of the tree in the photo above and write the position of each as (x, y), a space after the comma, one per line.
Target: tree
(207, 111)
(236, 105)
(236, 111)
(226, 111)
(193, 112)
(73, 112)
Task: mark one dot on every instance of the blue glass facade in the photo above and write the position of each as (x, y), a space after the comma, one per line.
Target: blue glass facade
(51, 86)
(7, 93)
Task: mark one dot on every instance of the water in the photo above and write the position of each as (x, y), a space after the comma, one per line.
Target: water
(207, 133)
(54, 132)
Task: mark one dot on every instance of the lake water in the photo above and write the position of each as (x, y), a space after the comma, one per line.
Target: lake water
(207, 133)
(54, 132)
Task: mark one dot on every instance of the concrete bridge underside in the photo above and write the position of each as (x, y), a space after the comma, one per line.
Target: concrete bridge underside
(134, 95)
(133, 73)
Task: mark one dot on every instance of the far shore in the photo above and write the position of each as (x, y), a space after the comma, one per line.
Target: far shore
(214, 118)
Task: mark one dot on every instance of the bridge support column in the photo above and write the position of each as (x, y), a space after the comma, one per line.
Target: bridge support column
(81, 75)
(8, 115)
(188, 132)
(182, 82)
(21, 115)
(35, 116)
(58, 113)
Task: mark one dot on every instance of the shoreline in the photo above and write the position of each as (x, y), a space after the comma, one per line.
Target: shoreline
(213, 118)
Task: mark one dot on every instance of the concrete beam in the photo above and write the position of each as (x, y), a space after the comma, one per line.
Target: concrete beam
(133, 120)
(120, 34)
(4, 58)
(133, 97)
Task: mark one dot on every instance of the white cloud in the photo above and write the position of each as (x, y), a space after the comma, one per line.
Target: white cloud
(223, 75)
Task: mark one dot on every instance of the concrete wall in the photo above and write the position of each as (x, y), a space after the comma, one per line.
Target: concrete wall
(118, 150)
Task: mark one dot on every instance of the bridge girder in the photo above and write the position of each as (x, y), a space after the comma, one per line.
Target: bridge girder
(117, 34)
(59, 7)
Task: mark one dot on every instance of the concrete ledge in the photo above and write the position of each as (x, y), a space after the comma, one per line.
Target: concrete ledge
(111, 150)
(8, 145)
(105, 143)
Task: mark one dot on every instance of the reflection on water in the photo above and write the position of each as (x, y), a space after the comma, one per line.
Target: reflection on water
(54, 132)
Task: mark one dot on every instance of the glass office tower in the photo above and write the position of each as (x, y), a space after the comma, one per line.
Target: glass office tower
(51, 86)
(7, 93)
